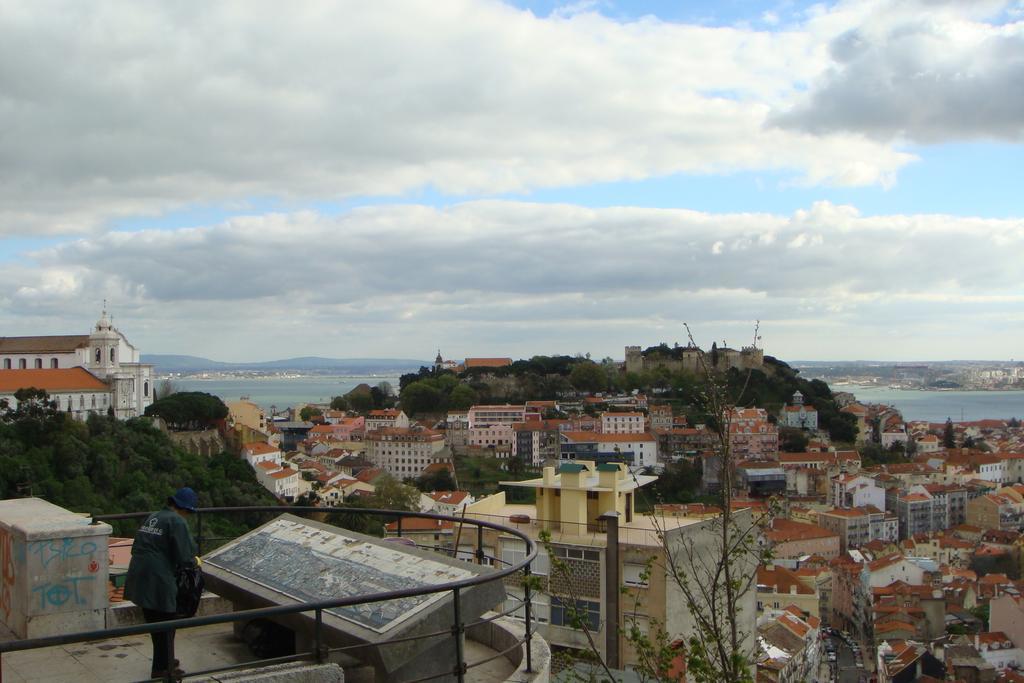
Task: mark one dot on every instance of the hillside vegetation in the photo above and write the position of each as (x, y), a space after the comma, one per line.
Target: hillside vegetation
(107, 466)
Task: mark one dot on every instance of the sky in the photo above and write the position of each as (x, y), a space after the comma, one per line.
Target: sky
(249, 180)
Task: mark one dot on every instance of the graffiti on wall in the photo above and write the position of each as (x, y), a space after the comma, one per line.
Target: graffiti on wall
(7, 572)
(58, 593)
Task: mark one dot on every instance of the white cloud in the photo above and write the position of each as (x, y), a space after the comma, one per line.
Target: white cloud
(522, 278)
(115, 108)
(923, 70)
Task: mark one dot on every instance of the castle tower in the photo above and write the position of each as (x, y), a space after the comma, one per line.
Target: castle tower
(438, 362)
(634, 359)
(798, 398)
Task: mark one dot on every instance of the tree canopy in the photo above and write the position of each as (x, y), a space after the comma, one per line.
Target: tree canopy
(105, 465)
(188, 410)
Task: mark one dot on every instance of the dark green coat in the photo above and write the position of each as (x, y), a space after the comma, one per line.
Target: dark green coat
(162, 544)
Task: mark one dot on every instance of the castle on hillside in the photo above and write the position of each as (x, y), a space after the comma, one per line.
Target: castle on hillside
(687, 358)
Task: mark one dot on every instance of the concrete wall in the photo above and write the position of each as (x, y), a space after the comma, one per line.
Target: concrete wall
(53, 569)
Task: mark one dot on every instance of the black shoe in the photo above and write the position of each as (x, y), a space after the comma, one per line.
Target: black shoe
(176, 675)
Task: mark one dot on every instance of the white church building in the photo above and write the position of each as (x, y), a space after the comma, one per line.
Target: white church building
(105, 353)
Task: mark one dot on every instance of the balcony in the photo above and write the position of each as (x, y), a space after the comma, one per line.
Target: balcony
(491, 647)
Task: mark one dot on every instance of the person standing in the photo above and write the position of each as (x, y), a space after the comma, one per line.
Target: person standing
(162, 545)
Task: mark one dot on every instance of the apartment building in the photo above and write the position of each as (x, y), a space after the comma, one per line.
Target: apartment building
(751, 435)
(622, 423)
(638, 451)
(571, 505)
(386, 419)
(404, 452)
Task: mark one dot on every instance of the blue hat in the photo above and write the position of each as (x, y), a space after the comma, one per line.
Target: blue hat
(186, 499)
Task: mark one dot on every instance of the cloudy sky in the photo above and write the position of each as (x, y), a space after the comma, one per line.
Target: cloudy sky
(255, 179)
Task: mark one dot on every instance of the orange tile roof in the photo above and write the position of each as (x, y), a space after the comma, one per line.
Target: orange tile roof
(487, 362)
(66, 343)
(781, 580)
(259, 448)
(62, 379)
(449, 497)
(283, 473)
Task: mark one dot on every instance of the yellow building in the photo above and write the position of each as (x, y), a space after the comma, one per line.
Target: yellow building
(245, 412)
(573, 505)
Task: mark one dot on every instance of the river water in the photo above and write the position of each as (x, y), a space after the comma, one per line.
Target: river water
(934, 406)
(282, 392)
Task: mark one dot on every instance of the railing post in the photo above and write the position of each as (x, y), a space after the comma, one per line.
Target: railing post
(317, 636)
(479, 545)
(399, 526)
(199, 531)
(528, 604)
(460, 668)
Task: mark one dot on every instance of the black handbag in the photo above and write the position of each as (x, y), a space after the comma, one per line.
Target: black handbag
(190, 590)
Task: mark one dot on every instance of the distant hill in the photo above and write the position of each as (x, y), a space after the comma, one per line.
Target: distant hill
(178, 363)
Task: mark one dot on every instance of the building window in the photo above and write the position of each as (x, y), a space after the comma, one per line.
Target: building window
(586, 611)
(39, 363)
(81, 401)
(7, 363)
(22, 363)
(145, 389)
(111, 355)
(634, 574)
(53, 363)
(99, 356)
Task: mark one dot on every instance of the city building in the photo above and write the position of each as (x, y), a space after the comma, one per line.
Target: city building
(74, 390)
(798, 415)
(386, 419)
(404, 452)
(572, 505)
(622, 423)
(105, 353)
(638, 451)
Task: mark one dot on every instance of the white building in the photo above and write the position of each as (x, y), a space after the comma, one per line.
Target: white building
(483, 415)
(283, 482)
(385, 419)
(996, 648)
(800, 416)
(105, 352)
(622, 423)
(405, 452)
(857, 490)
(639, 451)
(75, 390)
(255, 453)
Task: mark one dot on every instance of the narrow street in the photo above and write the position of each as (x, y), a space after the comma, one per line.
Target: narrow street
(845, 670)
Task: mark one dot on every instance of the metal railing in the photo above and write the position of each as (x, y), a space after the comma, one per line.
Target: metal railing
(320, 652)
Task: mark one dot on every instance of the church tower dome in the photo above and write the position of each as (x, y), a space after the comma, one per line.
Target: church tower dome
(103, 346)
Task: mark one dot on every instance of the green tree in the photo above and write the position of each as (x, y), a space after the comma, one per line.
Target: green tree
(462, 397)
(360, 398)
(309, 412)
(440, 480)
(188, 410)
(948, 434)
(339, 403)
(588, 376)
(421, 397)
(793, 440)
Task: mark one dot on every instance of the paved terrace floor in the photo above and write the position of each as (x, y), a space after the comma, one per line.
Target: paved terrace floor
(205, 647)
